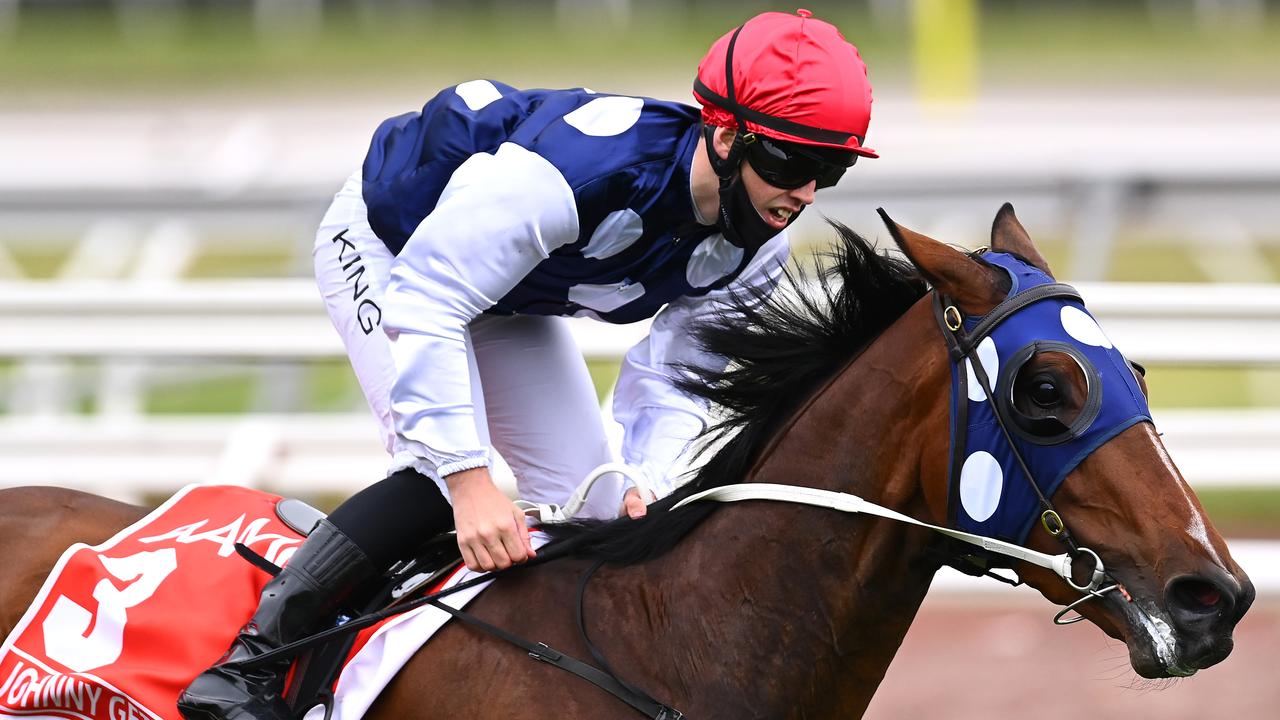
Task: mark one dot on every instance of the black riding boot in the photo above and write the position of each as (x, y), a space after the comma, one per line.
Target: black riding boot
(323, 572)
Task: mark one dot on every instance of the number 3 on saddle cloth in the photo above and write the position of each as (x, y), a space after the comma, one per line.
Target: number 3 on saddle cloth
(119, 629)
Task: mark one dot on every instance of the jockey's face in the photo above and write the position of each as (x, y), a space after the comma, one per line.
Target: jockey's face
(776, 205)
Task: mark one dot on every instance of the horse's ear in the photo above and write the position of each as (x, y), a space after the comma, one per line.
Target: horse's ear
(1008, 235)
(976, 287)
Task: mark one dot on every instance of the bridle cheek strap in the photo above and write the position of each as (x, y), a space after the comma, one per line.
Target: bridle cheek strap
(1060, 565)
(962, 346)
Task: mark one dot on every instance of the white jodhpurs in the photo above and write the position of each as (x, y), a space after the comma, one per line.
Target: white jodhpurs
(534, 400)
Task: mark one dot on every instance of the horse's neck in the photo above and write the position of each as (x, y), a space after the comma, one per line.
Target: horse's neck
(821, 601)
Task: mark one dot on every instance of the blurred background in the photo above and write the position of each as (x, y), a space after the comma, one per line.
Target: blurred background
(163, 165)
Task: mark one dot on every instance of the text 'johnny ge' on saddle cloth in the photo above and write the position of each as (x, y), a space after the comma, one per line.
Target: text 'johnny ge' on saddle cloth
(119, 629)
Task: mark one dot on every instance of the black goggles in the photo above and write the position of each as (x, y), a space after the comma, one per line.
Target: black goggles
(790, 166)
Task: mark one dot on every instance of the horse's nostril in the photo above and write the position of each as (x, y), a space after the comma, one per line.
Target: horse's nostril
(1196, 596)
(1206, 596)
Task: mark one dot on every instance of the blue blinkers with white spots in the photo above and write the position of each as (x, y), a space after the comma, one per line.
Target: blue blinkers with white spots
(990, 494)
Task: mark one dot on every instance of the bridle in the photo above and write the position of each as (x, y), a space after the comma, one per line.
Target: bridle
(963, 335)
(962, 345)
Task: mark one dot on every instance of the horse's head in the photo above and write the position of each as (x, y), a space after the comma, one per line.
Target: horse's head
(1075, 417)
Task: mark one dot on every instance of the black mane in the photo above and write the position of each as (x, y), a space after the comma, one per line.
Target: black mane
(781, 349)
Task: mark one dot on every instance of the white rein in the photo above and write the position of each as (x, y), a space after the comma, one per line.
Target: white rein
(844, 502)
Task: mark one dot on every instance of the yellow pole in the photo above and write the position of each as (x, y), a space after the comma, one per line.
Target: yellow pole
(946, 50)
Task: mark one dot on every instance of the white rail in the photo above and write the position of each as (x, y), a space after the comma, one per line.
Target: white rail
(339, 452)
(284, 319)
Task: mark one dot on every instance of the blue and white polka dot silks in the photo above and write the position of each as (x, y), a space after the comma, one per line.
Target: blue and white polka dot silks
(993, 497)
(626, 161)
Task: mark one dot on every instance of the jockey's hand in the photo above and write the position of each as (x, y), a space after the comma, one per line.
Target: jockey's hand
(634, 505)
(492, 534)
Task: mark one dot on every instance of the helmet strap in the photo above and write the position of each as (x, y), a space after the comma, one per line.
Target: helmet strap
(724, 167)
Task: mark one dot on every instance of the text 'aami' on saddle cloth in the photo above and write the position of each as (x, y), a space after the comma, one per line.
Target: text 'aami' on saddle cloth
(118, 629)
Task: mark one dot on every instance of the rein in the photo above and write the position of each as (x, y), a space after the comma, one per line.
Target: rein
(848, 503)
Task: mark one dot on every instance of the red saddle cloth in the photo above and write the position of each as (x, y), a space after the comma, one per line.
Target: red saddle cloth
(118, 630)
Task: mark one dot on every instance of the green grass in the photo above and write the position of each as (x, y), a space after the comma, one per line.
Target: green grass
(222, 394)
(41, 261)
(326, 386)
(604, 373)
(44, 258)
(271, 259)
(1100, 45)
(1192, 387)
(1243, 512)
(220, 51)
(80, 52)
(331, 386)
(1160, 263)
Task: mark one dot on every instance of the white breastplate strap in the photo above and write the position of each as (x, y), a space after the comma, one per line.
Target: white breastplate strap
(552, 513)
(844, 502)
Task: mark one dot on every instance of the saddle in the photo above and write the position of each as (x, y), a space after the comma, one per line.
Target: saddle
(317, 668)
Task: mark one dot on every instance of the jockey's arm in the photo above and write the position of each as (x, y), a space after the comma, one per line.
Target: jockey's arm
(499, 216)
(658, 419)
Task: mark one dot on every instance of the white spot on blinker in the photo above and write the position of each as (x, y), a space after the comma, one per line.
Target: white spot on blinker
(981, 483)
(1080, 326)
(990, 360)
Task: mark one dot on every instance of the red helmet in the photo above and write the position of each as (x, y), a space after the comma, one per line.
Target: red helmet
(788, 77)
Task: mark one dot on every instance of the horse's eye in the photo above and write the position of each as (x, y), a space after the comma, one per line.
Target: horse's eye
(1045, 393)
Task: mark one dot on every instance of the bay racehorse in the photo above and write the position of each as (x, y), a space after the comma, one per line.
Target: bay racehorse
(780, 610)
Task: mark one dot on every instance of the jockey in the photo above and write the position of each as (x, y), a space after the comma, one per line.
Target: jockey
(447, 259)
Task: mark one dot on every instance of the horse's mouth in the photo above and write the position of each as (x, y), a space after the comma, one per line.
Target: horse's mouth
(1157, 649)
(1180, 625)
(1153, 646)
